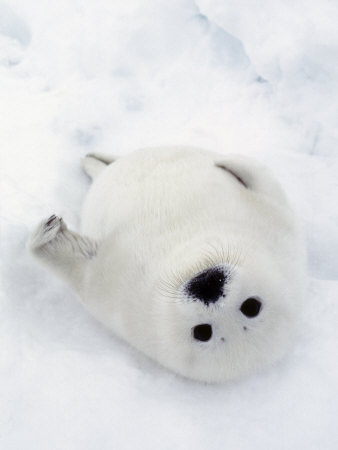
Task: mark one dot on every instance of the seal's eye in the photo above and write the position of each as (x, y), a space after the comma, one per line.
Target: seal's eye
(251, 307)
(202, 332)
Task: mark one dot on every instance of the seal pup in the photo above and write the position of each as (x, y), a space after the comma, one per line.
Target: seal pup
(192, 257)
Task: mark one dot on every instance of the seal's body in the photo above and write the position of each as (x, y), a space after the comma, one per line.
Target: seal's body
(192, 257)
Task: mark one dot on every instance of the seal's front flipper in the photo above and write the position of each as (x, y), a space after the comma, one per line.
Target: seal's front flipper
(94, 163)
(253, 176)
(62, 251)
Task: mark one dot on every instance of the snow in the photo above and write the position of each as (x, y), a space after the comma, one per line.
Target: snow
(244, 76)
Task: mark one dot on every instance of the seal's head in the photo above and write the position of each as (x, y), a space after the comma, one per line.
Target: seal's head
(229, 318)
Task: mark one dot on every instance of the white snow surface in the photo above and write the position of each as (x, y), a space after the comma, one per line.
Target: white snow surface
(79, 76)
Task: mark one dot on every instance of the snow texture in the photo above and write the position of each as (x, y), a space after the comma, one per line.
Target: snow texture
(79, 76)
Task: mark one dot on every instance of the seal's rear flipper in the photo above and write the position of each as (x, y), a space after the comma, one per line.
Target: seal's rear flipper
(62, 251)
(252, 176)
(94, 163)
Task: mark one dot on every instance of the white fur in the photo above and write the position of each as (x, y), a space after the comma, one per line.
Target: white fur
(154, 220)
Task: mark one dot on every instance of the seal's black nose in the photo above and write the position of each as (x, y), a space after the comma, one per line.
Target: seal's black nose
(207, 286)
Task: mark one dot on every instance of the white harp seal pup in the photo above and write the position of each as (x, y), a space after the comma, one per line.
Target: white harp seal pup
(194, 258)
